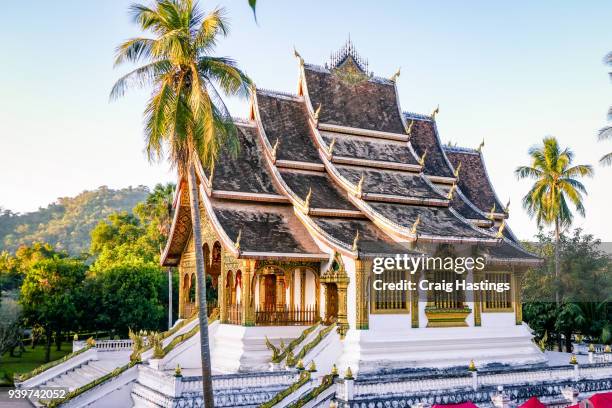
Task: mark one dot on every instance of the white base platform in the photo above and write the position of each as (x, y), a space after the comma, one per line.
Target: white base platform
(375, 350)
(243, 349)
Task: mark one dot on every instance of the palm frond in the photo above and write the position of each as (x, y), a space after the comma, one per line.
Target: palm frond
(139, 78)
(606, 159)
(134, 50)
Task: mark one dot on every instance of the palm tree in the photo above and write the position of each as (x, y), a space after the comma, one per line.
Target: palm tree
(556, 185)
(606, 131)
(185, 117)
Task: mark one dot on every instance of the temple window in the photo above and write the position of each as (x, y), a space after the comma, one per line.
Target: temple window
(493, 301)
(441, 299)
(390, 301)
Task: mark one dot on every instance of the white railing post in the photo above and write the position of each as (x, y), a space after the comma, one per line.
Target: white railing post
(475, 380)
(349, 387)
(571, 395)
(576, 372)
(500, 400)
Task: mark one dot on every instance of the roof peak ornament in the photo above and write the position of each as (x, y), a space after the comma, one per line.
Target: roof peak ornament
(492, 212)
(507, 209)
(480, 146)
(451, 192)
(415, 226)
(396, 75)
(346, 52)
(409, 128)
(355, 246)
(317, 113)
(360, 185)
(298, 56)
(330, 149)
(275, 150)
(435, 112)
(307, 200)
(456, 173)
(211, 175)
(237, 243)
(422, 159)
(500, 231)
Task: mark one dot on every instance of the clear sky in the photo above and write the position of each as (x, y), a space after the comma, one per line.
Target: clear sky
(508, 72)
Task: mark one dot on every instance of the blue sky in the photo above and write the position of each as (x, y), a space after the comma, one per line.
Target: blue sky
(510, 73)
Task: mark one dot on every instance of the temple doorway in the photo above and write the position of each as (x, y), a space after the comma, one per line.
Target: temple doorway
(269, 292)
(331, 302)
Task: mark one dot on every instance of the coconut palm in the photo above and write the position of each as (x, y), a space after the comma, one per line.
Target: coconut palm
(185, 118)
(556, 186)
(606, 131)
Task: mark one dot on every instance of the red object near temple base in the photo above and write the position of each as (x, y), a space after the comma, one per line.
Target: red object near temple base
(533, 402)
(603, 400)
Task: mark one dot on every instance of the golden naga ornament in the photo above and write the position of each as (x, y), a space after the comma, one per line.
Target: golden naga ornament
(457, 170)
(355, 246)
(395, 76)
(414, 229)
(330, 149)
(451, 192)
(422, 159)
(409, 128)
(237, 243)
(500, 231)
(435, 112)
(480, 146)
(275, 149)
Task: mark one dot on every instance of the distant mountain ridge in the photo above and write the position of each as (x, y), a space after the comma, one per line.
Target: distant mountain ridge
(67, 223)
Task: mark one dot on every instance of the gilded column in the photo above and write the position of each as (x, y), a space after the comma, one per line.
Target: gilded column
(302, 289)
(181, 309)
(343, 325)
(361, 278)
(477, 277)
(291, 283)
(248, 314)
(517, 301)
(221, 294)
(414, 302)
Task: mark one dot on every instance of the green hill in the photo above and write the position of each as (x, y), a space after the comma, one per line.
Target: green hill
(67, 223)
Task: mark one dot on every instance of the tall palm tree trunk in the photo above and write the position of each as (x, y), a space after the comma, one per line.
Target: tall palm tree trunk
(201, 282)
(557, 273)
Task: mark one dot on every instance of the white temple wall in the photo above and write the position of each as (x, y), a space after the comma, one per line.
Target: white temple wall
(389, 321)
(498, 319)
(310, 288)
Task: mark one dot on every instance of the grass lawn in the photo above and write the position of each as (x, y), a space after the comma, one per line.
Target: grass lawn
(28, 361)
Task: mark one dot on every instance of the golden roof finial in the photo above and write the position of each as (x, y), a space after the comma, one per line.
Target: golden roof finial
(507, 209)
(422, 159)
(275, 149)
(457, 170)
(317, 113)
(237, 243)
(300, 364)
(500, 231)
(312, 367)
(177, 371)
(435, 112)
(356, 242)
(211, 175)
(451, 192)
(308, 197)
(413, 230)
(360, 185)
(334, 370)
(607, 349)
(573, 360)
(330, 149)
(492, 212)
(409, 128)
(348, 374)
(298, 56)
(472, 366)
(480, 146)
(396, 75)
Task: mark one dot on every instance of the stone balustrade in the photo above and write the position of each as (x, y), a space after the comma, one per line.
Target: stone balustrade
(105, 345)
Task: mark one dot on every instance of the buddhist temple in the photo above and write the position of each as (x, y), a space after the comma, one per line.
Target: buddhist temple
(326, 180)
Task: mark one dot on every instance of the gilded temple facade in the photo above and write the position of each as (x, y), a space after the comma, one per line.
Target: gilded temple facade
(326, 181)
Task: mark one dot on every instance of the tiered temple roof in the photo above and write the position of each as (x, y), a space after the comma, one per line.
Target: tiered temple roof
(339, 164)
